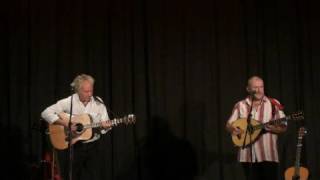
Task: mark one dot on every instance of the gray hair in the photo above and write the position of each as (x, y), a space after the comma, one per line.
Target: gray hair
(252, 78)
(76, 83)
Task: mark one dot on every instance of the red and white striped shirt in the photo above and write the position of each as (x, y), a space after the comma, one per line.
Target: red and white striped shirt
(265, 148)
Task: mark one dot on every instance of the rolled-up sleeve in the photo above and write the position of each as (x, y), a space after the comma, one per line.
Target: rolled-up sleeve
(235, 113)
(50, 114)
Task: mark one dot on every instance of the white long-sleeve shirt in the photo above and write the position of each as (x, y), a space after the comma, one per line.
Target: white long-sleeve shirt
(95, 109)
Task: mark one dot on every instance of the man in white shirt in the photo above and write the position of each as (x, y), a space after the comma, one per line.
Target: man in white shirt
(85, 153)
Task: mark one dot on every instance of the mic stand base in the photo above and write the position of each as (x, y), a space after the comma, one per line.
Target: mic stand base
(249, 131)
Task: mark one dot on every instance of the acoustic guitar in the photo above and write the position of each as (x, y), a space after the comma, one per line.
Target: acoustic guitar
(240, 140)
(297, 172)
(84, 124)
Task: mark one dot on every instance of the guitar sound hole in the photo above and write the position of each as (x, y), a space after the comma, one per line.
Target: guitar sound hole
(79, 127)
(296, 178)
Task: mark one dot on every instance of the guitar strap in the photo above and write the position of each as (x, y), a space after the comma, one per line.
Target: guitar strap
(275, 105)
(98, 99)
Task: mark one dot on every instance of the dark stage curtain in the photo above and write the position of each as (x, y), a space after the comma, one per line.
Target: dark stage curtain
(178, 65)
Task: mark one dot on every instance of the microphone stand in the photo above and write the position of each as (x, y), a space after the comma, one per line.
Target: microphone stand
(249, 131)
(70, 147)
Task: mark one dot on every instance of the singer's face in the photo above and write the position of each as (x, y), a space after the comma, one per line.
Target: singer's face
(257, 86)
(85, 91)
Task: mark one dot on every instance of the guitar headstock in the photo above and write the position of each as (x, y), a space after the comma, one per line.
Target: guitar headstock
(297, 116)
(302, 132)
(129, 119)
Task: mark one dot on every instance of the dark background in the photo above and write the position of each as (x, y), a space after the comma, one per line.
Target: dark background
(178, 65)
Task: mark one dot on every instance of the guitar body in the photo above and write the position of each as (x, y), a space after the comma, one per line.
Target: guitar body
(84, 124)
(59, 134)
(241, 124)
(290, 174)
(257, 127)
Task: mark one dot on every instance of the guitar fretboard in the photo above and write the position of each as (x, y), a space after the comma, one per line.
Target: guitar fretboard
(302, 131)
(114, 122)
(273, 122)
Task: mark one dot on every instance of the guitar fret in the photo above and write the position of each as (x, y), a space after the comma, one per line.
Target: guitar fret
(114, 122)
(302, 131)
(93, 125)
(274, 122)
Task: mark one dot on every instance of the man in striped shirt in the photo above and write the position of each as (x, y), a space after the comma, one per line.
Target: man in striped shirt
(260, 159)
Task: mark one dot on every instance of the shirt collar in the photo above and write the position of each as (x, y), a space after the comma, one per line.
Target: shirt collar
(77, 98)
(248, 100)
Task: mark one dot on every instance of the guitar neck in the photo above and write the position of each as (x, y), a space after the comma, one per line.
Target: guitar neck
(298, 155)
(273, 122)
(114, 122)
